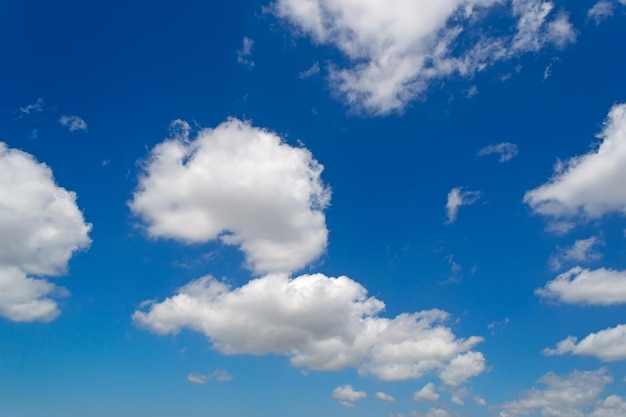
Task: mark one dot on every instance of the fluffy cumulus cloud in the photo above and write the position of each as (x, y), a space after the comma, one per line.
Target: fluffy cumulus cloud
(239, 184)
(395, 50)
(611, 406)
(606, 345)
(584, 286)
(347, 396)
(73, 123)
(40, 228)
(385, 397)
(569, 395)
(320, 323)
(427, 393)
(506, 151)
(589, 185)
(457, 197)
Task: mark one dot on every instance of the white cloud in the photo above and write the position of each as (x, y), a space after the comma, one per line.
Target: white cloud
(40, 228)
(35, 107)
(583, 286)
(239, 184)
(590, 185)
(479, 400)
(73, 123)
(311, 71)
(606, 345)
(385, 397)
(600, 11)
(458, 397)
(347, 396)
(581, 251)
(462, 368)
(218, 375)
(243, 54)
(567, 396)
(457, 198)
(433, 412)
(505, 150)
(612, 406)
(427, 393)
(320, 323)
(397, 50)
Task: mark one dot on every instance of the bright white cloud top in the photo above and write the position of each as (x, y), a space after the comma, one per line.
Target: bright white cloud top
(396, 49)
(347, 393)
(40, 228)
(607, 345)
(589, 185)
(584, 286)
(427, 393)
(319, 322)
(242, 185)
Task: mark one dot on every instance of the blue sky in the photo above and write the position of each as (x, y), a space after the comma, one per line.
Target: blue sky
(308, 207)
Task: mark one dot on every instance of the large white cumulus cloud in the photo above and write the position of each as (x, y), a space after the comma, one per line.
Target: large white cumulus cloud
(585, 286)
(242, 185)
(40, 228)
(607, 345)
(319, 322)
(589, 185)
(396, 48)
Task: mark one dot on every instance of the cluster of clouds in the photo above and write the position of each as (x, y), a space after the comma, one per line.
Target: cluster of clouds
(244, 186)
(575, 394)
(586, 188)
(72, 122)
(395, 51)
(347, 396)
(41, 228)
(459, 196)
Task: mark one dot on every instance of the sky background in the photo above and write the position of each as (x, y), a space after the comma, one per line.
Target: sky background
(461, 162)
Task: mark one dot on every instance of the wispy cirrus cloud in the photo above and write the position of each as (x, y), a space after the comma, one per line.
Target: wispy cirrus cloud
(457, 197)
(220, 375)
(244, 55)
(73, 123)
(506, 151)
(35, 107)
